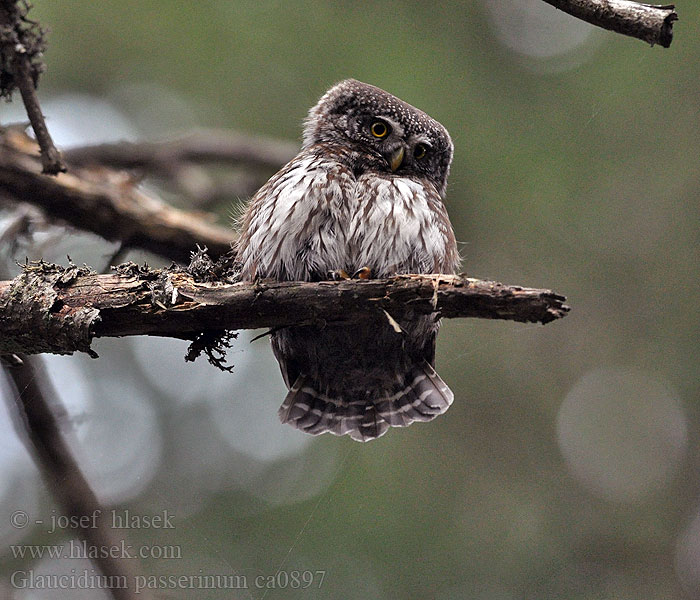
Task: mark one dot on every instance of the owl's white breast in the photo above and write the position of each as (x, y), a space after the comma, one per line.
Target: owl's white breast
(394, 228)
(314, 217)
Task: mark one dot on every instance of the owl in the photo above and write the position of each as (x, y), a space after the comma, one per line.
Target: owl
(363, 198)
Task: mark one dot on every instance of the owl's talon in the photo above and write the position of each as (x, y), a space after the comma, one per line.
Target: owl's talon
(363, 273)
(338, 274)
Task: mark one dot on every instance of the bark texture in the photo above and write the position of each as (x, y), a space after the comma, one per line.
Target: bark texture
(649, 23)
(60, 310)
(106, 202)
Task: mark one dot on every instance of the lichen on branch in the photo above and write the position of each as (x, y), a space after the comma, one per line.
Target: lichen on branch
(49, 308)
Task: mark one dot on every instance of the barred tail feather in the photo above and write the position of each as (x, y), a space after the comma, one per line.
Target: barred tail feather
(420, 395)
(315, 413)
(423, 395)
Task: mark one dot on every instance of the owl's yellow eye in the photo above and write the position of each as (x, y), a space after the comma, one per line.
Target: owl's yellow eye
(420, 151)
(379, 129)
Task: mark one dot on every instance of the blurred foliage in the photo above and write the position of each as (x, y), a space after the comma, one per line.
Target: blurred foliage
(579, 172)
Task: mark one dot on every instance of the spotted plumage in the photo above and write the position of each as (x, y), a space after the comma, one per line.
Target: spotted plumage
(365, 192)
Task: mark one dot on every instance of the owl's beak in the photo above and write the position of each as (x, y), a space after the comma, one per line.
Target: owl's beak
(396, 158)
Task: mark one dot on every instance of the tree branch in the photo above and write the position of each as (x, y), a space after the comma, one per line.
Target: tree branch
(183, 163)
(22, 44)
(41, 416)
(54, 309)
(107, 203)
(649, 23)
(198, 147)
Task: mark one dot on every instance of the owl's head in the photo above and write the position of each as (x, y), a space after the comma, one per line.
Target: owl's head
(382, 132)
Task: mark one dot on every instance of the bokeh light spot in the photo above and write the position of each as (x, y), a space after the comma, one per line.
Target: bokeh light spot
(622, 433)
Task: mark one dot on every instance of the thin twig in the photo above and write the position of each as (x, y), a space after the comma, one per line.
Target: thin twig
(54, 309)
(51, 160)
(647, 22)
(20, 43)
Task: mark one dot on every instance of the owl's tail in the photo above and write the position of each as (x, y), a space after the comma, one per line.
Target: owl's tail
(420, 395)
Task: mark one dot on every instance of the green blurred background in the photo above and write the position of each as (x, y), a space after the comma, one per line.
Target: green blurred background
(568, 465)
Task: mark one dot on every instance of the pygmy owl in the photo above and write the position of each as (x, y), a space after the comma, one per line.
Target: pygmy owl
(364, 197)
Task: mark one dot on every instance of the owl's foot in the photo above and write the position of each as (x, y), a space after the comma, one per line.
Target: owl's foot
(363, 273)
(338, 274)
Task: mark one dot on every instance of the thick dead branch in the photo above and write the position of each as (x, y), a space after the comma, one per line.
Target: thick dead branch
(41, 419)
(647, 22)
(107, 203)
(60, 310)
(21, 47)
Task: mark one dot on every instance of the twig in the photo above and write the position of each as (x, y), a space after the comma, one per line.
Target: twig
(53, 309)
(51, 161)
(107, 203)
(21, 44)
(647, 22)
(42, 415)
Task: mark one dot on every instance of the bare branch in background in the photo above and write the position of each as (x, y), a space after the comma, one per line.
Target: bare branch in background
(54, 309)
(647, 22)
(107, 203)
(21, 47)
(42, 416)
(184, 164)
(198, 147)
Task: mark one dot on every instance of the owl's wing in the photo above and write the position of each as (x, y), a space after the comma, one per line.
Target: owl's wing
(281, 233)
